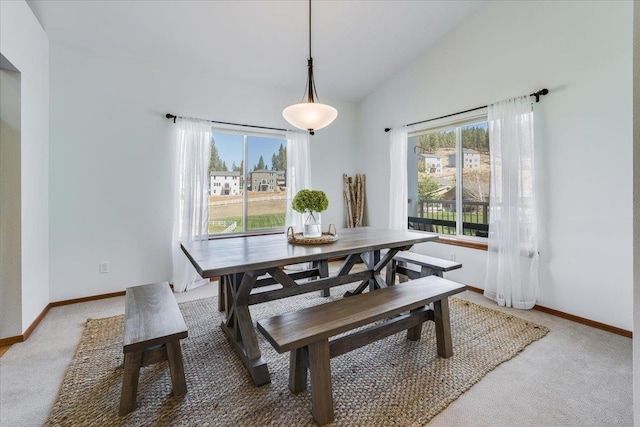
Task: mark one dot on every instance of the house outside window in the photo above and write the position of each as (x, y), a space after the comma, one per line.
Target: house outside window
(239, 202)
(220, 186)
(448, 178)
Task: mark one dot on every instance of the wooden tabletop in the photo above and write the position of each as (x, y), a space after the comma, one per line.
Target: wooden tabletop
(239, 254)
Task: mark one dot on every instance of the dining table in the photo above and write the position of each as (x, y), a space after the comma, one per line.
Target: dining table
(245, 264)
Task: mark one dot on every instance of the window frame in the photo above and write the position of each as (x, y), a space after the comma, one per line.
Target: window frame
(457, 122)
(246, 132)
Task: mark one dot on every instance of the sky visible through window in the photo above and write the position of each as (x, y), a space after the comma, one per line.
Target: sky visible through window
(230, 149)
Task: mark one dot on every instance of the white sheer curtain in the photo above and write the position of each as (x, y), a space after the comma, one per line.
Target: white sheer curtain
(298, 174)
(398, 179)
(191, 197)
(512, 262)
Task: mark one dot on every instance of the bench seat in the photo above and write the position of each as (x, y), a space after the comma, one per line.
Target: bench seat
(153, 329)
(305, 333)
(428, 266)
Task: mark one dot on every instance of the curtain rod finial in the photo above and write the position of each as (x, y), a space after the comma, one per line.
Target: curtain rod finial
(540, 93)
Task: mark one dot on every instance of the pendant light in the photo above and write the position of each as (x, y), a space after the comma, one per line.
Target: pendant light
(310, 115)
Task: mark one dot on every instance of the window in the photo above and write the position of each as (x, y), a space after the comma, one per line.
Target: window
(241, 198)
(448, 178)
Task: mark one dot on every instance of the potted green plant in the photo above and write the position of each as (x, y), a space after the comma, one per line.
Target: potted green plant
(310, 203)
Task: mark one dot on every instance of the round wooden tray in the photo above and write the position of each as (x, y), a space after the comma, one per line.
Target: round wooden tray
(298, 239)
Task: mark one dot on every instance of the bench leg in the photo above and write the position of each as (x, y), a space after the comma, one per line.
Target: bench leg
(320, 371)
(391, 273)
(403, 278)
(413, 333)
(297, 371)
(132, 363)
(176, 368)
(443, 327)
(428, 271)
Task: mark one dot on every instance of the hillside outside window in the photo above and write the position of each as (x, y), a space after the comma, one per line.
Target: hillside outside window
(448, 178)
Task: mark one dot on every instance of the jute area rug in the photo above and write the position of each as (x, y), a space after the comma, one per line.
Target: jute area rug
(393, 382)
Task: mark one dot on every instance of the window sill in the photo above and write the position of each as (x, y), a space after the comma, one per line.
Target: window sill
(464, 243)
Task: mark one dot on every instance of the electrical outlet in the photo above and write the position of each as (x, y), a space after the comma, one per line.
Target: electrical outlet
(104, 267)
(452, 256)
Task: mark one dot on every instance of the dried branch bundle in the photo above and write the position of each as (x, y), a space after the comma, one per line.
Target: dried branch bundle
(354, 194)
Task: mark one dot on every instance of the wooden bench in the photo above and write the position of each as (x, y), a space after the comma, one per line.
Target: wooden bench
(305, 333)
(153, 329)
(428, 266)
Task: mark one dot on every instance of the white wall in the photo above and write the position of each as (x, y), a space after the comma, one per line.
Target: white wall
(112, 169)
(581, 52)
(24, 43)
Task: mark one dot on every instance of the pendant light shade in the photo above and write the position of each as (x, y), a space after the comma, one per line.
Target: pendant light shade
(310, 115)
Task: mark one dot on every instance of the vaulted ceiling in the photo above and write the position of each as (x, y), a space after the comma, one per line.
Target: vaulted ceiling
(356, 45)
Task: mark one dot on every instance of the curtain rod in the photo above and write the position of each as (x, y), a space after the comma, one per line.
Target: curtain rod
(537, 94)
(174, 117)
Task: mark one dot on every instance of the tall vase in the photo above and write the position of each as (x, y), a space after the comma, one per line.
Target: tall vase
(312, 224)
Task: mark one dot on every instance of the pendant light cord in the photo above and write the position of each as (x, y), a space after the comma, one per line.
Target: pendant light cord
(312, 95)
(309, 28)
